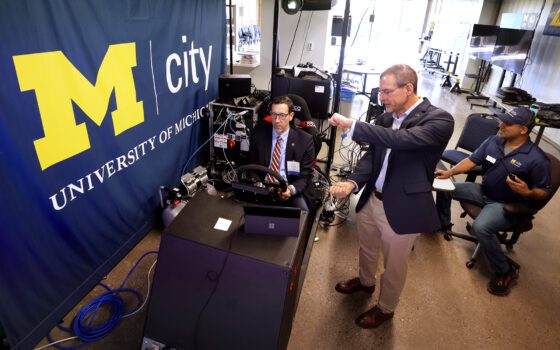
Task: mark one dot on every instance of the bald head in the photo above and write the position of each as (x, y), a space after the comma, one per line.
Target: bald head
(403, 74)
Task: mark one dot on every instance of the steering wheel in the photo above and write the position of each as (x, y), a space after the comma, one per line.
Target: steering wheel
(266, 193)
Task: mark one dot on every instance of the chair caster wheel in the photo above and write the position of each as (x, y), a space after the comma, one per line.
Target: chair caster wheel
(447, 237)
(469, 264)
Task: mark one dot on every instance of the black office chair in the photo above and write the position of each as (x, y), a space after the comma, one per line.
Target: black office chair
(375, 109)
(525, 212)
(478, 127)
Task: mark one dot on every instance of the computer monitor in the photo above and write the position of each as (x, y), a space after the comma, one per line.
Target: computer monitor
(483, 39)
(511, 49)
(272, 220)
(317, 92)
(336, 29)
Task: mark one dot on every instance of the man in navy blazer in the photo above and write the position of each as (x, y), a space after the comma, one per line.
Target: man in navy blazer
(296, 165)
(397, 172)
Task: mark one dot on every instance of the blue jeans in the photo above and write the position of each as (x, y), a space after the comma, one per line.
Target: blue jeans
(491, 220)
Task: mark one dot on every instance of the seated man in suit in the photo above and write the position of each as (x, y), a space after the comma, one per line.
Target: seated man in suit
(285, 149)
(514, 170)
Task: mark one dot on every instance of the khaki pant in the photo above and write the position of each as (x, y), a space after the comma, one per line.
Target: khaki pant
(374, 234)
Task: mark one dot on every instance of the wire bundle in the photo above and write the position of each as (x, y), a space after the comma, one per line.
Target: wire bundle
(83, 323)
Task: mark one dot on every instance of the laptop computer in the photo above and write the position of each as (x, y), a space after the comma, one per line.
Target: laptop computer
(272, 220)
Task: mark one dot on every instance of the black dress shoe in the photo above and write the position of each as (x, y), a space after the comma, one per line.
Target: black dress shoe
(373, 318)
(352, 286)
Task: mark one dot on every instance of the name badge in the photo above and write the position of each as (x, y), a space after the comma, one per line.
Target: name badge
(293, 168)
(491, 159)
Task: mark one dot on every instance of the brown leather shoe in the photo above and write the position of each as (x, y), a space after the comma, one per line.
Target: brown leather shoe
(352, 286)
(373, 318)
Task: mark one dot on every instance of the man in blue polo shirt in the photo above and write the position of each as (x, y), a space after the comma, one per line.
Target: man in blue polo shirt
(514, 170)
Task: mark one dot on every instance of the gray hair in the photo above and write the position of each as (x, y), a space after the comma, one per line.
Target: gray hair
(403, 74)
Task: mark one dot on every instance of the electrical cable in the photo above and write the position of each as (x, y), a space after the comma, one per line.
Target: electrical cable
(352, 155)
(355, 35)
(341, 210)
(231, 176)
(148, 290)
(528, 60)
(322, 131)
(371, 26)
(219, 114)
(293, 39)
(214, 276)
(322, 174)
(82, 324)
(56, 342)
(224, 149)
(204, 144)
(331, 225)
(305, 38)
(359, 24)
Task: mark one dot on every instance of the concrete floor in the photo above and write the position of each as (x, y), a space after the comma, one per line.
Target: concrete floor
(444, 305)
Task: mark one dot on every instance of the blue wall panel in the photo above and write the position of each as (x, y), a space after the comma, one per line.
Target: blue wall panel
(100, 104)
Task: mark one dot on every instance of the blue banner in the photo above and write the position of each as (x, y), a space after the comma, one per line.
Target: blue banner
(101, 102)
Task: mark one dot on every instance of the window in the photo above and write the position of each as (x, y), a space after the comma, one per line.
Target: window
(246, 28)
(391, 38)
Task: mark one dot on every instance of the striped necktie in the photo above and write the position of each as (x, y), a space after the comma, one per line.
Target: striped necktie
(275, 163)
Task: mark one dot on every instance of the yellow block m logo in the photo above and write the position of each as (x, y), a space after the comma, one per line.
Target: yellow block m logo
(556, 20)
(57, 83)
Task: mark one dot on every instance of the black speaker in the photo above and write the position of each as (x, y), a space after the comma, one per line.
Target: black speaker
(318, 5)
(316, 92)
(233, 85)
(216, 289)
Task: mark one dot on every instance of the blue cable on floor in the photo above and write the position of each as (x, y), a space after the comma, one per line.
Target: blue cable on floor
(82, 323)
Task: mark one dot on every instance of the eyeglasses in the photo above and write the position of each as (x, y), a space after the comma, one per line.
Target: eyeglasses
(280, 116)
(390, 91)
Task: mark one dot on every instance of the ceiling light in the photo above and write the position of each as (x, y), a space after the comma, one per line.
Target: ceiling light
(292, 7)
